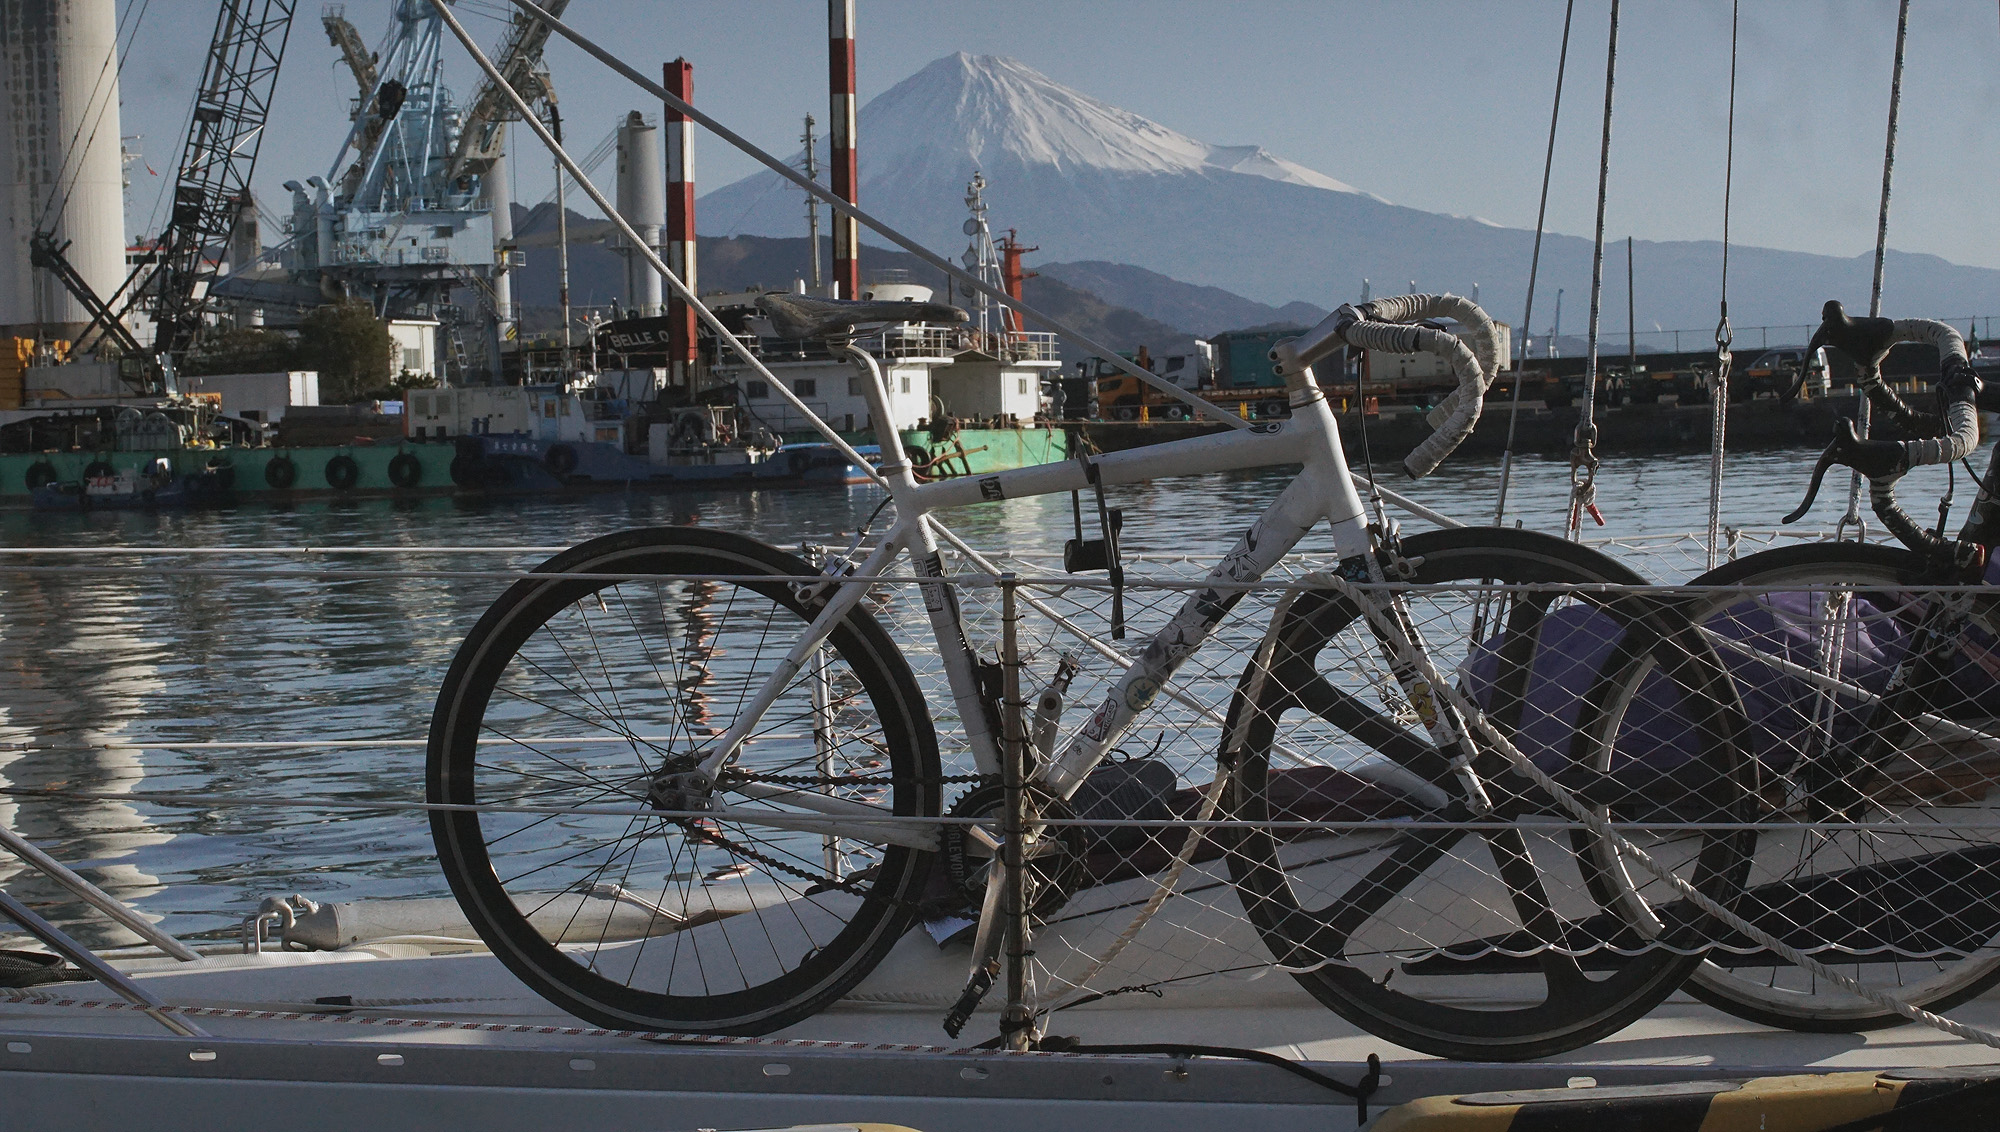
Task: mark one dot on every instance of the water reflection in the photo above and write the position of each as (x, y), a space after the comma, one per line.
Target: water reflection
(90, 659)
(75, 735)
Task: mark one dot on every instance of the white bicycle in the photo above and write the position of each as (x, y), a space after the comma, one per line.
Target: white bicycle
(696, 786)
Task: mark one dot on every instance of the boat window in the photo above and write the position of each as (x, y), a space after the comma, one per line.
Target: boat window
(906, 383)
(756, 390)
(806, 387)
(549, 410)
(854, 387)
(1022, 385)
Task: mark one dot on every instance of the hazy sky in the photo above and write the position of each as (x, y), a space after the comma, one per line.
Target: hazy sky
(1442, 106)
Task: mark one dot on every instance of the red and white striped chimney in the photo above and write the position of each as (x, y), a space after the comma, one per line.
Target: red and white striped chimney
(846, 171)
(680, 225)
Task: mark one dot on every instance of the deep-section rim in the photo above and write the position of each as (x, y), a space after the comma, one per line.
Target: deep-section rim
(1643, 982)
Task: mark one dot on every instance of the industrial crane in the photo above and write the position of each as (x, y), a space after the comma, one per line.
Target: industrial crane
(406, 213)
(213, 182)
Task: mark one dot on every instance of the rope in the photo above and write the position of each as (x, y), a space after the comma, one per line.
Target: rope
(1583, 456)
(1534, 269)
(1862, 412)
(1719, 395)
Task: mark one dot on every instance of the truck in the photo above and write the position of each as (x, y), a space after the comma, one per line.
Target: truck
(1122, 397)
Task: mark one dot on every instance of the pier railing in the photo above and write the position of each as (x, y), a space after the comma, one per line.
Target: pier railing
(1723, 771)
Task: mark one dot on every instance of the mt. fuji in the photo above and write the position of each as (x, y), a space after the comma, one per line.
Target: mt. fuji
(1084, 180)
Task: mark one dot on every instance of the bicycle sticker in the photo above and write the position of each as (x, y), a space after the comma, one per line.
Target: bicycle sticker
(937, 599)
(990, 490)
(1098, 727)
(1141, 692)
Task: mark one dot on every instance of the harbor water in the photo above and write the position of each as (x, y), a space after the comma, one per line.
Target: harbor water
(106, 658)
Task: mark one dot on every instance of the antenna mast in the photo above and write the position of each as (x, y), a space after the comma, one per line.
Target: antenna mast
(812, 206)
(980, 258)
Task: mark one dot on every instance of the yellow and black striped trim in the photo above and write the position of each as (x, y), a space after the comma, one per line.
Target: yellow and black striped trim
(1800, 1103)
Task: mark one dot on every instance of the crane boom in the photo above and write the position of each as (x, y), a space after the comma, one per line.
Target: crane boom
(342, 35)
(479, 140)
(231, 108)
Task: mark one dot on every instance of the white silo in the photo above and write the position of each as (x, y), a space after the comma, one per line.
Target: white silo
(642, 201)
(59, 158)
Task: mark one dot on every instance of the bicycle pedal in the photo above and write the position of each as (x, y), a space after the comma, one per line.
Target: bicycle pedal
(975, 992)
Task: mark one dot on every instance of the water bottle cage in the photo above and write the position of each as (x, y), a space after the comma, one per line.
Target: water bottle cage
(1081, 555)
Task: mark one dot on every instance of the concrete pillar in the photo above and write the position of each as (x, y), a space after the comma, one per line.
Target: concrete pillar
(60, 168)
(642, 203)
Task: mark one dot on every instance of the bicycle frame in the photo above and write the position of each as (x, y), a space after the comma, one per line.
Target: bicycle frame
(1324, 490)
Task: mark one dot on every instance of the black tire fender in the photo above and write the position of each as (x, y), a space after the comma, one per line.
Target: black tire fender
(342, 472)
(560, 459)
(406, 470)
(41, 473)
(280, 473)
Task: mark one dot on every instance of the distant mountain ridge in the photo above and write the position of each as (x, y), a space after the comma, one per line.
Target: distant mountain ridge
(1202, 311)
(1087, 181)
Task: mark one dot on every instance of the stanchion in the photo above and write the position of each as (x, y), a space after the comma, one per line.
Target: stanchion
(60, 942)
(1016, 1023)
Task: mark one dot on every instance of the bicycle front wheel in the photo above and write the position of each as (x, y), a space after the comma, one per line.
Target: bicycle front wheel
(1365, 871)
(1881, 829)
(559, 726)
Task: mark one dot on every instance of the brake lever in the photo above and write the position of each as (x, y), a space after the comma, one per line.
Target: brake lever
(1827, 459)
(1874, 459)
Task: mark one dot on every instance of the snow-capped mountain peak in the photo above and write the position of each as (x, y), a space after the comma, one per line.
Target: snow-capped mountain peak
(973, 110)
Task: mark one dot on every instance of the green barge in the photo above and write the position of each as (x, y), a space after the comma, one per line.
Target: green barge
(464, 465)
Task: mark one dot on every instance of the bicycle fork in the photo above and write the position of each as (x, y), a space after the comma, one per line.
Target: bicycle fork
(1396, 635)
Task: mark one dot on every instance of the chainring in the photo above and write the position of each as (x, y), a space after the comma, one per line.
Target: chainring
(1056, 873)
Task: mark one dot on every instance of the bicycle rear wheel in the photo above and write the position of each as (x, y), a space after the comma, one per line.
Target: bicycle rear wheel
(1880, 865)
(560, 717)
(1475, 940)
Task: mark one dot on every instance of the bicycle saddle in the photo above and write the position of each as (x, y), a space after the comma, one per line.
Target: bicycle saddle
(1866, 340)
(803, 316)
(1874, 459)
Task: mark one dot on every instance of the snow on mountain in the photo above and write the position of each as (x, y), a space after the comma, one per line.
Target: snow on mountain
(1260, 162)
(1085, 180)
(965, 112)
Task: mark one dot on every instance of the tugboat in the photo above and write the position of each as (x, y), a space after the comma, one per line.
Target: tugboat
(156, 486)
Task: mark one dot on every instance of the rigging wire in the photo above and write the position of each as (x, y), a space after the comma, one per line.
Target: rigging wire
(1719, 395)
(1534, 268)
(1862, 414)
(1583, 456)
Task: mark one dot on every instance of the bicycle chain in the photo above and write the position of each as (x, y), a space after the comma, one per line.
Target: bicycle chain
(722, 842)
(807, 875)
